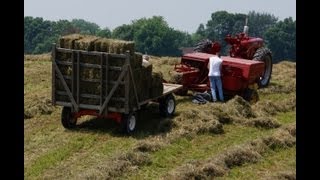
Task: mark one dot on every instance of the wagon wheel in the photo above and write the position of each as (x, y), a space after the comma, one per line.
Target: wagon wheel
(251, 95)
(167, 106)
(264, 54)
(67, 119)
(129, 122)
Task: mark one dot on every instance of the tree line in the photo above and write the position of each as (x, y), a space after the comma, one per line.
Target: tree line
(154, 35)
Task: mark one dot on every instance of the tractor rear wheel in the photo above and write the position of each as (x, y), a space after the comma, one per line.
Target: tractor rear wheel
(264, 54)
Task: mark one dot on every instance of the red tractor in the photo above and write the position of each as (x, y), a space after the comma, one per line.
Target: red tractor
(248, 66)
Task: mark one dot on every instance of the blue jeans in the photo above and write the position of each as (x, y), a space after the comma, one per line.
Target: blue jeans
(216, 84)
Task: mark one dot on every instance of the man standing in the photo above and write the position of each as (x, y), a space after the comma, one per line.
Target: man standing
(215, 63)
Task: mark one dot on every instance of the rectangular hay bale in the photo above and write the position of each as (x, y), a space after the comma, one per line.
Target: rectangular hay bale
(68, 41)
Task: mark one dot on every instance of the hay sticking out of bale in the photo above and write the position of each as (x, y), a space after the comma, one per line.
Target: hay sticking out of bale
(68, 41)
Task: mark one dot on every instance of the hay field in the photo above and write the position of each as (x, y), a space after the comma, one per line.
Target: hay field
(234, 140)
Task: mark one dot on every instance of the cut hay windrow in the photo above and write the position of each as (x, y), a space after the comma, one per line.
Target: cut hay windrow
(268, 107)
(119, 165)
(38, 106)
(219, 165)
(262, 122)
(150, 145)
(193, 122)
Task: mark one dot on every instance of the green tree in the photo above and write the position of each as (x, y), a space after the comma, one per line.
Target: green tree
(104, 33)
(124, 32)
(259, 23)
(153, 36)
(85, 27)
(281, 39)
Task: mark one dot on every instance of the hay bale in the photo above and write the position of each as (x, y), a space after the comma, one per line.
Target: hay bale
(156, 84)
(114, 46)
(146, 82)
(85, 43)
(68, 41)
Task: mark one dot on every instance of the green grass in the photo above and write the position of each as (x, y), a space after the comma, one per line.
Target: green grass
(201, 147)
(51, 152)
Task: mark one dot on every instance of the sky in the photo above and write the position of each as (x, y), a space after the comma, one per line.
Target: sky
(183, 15)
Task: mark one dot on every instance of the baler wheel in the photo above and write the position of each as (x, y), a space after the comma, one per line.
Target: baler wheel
(264, 54)
(67, 119)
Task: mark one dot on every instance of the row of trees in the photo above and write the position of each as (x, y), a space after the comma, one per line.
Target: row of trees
(154, 35)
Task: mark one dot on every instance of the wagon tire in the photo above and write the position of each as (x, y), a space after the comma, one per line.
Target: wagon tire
(129, 122)
(67, 119)
(167, 106)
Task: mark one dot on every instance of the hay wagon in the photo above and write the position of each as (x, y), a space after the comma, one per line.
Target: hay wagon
(104, 85)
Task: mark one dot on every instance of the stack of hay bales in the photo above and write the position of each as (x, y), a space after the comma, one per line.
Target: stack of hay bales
(147, 84)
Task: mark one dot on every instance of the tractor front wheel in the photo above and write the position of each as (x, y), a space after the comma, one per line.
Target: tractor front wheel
(264, 54)
(67, 119)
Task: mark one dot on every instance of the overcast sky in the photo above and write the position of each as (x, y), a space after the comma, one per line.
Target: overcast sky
(184, 15)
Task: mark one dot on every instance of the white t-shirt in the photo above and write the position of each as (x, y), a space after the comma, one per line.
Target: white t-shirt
(214, 66)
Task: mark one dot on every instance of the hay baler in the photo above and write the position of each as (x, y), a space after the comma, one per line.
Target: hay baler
(248, 66)
(239, 76)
